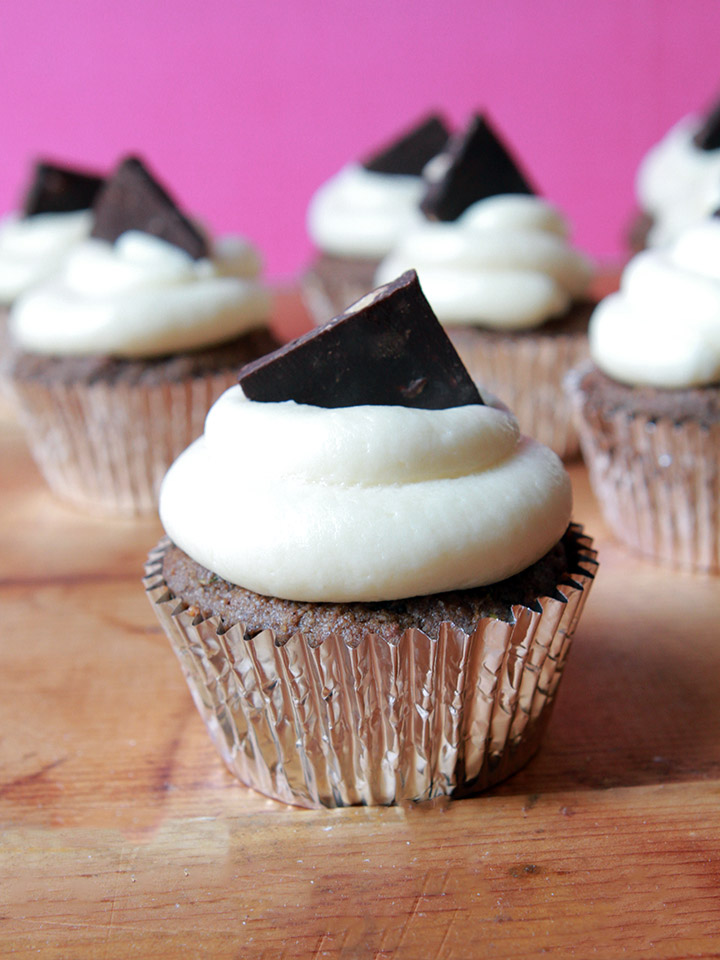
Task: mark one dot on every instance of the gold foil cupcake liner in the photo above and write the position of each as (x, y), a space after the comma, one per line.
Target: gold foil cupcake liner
(106, 447)
(527, 372)
(331, 724)
(657, 481)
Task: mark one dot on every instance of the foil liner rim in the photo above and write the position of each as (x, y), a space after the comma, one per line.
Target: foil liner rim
(572, 383)
(577, 579)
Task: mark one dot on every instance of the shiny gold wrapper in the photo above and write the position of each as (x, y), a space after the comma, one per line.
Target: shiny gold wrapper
(657, 481)
(107, 447)
(526, 373)
(332, 724)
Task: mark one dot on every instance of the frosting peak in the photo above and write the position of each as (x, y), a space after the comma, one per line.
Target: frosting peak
(678, 183)
(363, 503)
(140, 297)
(361, 213)
(33, 248)
(663, 326)
(505, 263)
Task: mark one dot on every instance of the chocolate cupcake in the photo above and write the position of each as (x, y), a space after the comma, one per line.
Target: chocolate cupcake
(379, 607)
(494, 262)
(648, 410)
(55, 216)
(678, 181)
(355, 218)
(115, 361)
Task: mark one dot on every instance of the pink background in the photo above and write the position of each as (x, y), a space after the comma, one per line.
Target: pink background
(244, 108)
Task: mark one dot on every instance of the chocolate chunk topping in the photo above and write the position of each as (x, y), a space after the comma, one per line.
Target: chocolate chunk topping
(708, 136)
(479, 165)
(132, 199)
(57, 189)
(386, 349)
(412, 150)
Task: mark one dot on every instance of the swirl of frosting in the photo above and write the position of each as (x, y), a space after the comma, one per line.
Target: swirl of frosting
(677, 183)
(141, 297)
(33, 248)
(361, 213)
(505, 264)
(662, 328)
(363, 503)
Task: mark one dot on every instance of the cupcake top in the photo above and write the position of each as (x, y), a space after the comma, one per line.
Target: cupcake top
(678, 181)
(662, 328)
(362, 210)
(489, 252)
(54, 218)
(414, 487)
(147, 282)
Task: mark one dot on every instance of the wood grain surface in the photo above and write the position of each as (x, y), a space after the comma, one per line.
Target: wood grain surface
(123, 836)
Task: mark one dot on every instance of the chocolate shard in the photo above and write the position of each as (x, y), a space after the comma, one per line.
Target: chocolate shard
(479, 165)
(60, 189)
(708, 136)
(132, 199)
(386, 349)
(409, 154)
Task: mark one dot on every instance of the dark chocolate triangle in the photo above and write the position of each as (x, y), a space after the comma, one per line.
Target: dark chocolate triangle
(60, 189)
(132, 199)
(708, 136)
(412, 150)
(386, 349)
(479, 166)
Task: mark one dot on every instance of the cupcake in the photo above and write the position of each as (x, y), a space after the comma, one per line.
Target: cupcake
(678, 181)
(648, 408)
(54, 217)
(355, 218)
(116, 359)
(379, 607)
(494, 261)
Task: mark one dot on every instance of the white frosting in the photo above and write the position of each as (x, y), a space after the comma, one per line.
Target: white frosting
(505, 263)
(363, 503)
(663, 326)
(361, 213)
(33, 248)
(678, 183)
(141, 297)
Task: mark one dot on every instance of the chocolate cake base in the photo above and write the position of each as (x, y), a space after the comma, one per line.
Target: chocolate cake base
(211, 596)
(337, 704)
(526, 370)
(604, 396)
(152, 371)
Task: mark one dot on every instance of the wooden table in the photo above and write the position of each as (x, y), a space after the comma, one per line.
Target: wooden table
(123, 836)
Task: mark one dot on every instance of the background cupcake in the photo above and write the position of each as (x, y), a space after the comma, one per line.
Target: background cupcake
(380, 608)
(678, 181)
(116, 359)
(355, 218)
(649, 411)
(495, 263)
(55, 216)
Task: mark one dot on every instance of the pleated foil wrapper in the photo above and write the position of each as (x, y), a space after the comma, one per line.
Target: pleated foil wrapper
(331, 724)
(526, 373)
(333, 283)
(106, 447)
(657, 481)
